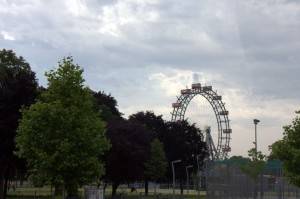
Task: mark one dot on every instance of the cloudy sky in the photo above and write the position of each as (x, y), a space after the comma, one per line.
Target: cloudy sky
(144, 52)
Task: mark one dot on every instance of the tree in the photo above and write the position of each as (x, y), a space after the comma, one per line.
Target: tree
(156, 166)
(108, 106)
(184, 141)
(61, 135)
(154, 123)
(187, 143)
(254, 167)
(238, 160)
(18, 87)
(288, 150)
(150, 120)
(125, 161)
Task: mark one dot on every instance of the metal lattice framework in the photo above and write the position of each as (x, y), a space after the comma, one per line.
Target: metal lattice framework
(218, 146)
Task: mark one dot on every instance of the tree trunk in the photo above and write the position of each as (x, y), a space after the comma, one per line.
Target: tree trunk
(2, 171)
(6, 175)
(181, 188)
(114, 189)
(254, 189)
(58, 190)
(104, 187)
(146, 187)
(155, 189)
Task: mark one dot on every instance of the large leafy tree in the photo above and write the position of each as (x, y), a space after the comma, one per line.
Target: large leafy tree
(18, 87)
(254, 167)
(184, 141)
(61, 135)
(108, 106)
(181, 139)
(288, 150)
(125, 161)
(156, 165)
(152, 122)
(255, 164)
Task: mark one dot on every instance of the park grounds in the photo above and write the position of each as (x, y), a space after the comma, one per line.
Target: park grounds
(221, 180)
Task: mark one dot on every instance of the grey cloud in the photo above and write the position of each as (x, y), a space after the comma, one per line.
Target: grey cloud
(251, 47)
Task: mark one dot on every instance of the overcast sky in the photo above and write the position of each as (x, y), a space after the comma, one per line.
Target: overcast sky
(144, 52)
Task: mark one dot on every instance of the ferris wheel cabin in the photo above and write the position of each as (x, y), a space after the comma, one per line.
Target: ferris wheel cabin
(226, 149)
(207, 88)
(223, 113)
(185, 91)
(196, 86)
(217, 97)
(227, 131)
(176, 105)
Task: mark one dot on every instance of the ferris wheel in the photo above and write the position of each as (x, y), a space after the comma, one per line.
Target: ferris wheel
(203, 107)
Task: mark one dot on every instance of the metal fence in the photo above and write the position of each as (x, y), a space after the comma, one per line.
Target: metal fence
(224, 180)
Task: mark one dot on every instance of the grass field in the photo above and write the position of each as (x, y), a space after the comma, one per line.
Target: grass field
(46, 191)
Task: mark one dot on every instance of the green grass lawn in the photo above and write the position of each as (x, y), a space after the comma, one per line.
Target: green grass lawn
(46, 191)
(30, 191)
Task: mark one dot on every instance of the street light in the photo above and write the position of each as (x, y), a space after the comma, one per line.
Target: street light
(255, 123)
(198, 176)
(173, 171)
(187, 179)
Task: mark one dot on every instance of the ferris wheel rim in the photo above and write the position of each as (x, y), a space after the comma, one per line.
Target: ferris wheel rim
(221, 114)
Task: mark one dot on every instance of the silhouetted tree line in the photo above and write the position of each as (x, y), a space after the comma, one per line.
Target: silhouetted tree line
(130, 138)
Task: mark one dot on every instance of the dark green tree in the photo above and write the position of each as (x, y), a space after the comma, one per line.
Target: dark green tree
(238, 160)
(254, 167)
(154, 123)
(184, 141)
(61, 135)
(255, 164)
(108, 106)
(18, 87)
(288, 150)
(125, 161)
(156, 166)
(150, 120)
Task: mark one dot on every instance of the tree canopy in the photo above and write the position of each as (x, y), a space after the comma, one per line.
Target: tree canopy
(108, 106)
(130, 150)
(255, 164)
(154, 123)
(18, 87)
(288, 150)
(61, 135)
(185, 142)
(156, 165)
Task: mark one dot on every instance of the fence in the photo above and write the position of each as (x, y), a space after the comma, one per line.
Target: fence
(224, 180)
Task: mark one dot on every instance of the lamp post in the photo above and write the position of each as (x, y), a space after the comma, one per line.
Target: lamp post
(198, 176)
(255, 123)
(255, 186)
(173, 171)
(187, 179)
